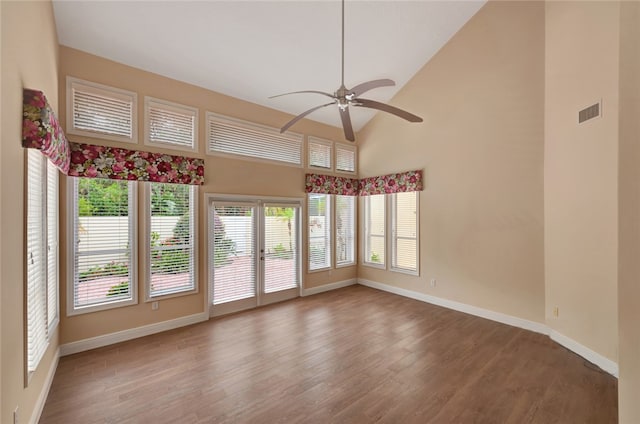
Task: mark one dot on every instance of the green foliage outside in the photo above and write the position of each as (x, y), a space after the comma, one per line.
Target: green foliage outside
(119, 289)
(108, 270)
(375, 258)
(100, 197)
(223, 247)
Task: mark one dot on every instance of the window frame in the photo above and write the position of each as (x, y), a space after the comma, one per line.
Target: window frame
(152, 102)
(349, 147)
(107, 91)
(72, 212)
(324, 142)
(148, 297)
(365, 233)
(354, 232)
(393, 238)
(251, 126)
(328, 236)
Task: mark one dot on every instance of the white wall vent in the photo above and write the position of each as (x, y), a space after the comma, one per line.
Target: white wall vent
(590, 112)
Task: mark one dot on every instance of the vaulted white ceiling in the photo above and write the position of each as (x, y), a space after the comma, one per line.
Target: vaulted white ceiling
(255, 49)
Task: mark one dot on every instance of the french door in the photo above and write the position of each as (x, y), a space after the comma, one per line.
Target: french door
(254, 252)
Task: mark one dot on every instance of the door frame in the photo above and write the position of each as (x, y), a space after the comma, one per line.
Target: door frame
(259, 201)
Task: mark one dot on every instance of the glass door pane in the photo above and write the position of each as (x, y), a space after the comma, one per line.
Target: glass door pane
(233, 253)
(281, 258)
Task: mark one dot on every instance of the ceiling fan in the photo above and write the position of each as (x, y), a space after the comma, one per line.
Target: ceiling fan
(344, 97)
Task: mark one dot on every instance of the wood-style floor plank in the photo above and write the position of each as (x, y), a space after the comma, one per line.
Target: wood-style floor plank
(354, 355)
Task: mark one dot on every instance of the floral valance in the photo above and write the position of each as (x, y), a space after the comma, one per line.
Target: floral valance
(392, 183)
(329, 184)
(93, 161)
(41, 129)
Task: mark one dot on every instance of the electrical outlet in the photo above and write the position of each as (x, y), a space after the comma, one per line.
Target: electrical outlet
(15, 416)
(155, 306)
(432, 283)
(556, 311)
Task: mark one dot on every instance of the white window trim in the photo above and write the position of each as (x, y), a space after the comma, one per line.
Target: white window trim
(317, 140)
(147, 237)
(350, 147)
(391, 247)
(172, 107)
(363, 242)
(331, 243)
(56, 320)
(103, 90)
(254, 126)
(355, 234)
(72, 210)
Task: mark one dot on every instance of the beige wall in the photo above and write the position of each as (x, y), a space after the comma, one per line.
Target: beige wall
(481, 146)
(581, 173)
(629, 215)
(29, 59)
(222, 175)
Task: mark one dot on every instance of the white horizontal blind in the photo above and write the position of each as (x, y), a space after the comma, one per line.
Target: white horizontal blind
(281, 247)
(345, 158)
(37, 335)
(52, 244)
(374, 229)
(405, 231)
(101, 111)
(345, 229)
(319, 153)
(251, 140)
(103, 251)
(319, 221)
(171, 124)
(233, 252)
(172, 239)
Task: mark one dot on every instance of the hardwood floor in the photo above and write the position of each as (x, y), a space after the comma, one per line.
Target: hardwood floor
(354, 355)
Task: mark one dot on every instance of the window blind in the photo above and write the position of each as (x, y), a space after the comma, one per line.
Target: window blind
(100, 110)
(171, 124)
(171, 239)
(345, 158)
(319, 153)
(374, 248)
(345, 229)
(36, 290)
(251, 140)
(52, 245)
(104, 242)
(233, 252)
(405, 229)
(319, 222)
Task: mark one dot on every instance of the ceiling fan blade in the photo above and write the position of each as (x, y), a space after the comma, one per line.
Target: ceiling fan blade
(372, 104)
(369, 85)
(346, 124)
(302, 115)
(302, 92)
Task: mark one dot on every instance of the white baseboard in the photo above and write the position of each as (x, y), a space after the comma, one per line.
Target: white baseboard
(604, 363)
(328, 287)
(458, 306)
(133, 333)
(42, 397)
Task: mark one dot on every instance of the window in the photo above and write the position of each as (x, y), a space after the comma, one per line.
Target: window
(345, 158)
(374, 230)
(170, 125)
(319, 153)
(404, 224)
(96, 110)
(104, 231)
(319, 221)
(172, 239)
(41, 256)
(345, 230)
(245, 139)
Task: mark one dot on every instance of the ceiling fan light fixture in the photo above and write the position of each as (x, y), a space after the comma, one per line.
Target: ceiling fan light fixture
(344, 98)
